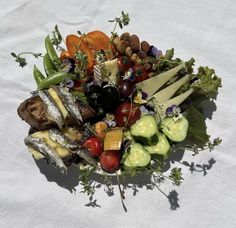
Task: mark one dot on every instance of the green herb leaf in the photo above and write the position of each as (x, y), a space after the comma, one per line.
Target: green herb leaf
(56, 37)
(176, 176)
(197, 134)
(14, 55)
(79, 33)
(169, 54)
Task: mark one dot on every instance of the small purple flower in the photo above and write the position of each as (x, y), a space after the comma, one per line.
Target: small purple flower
(154, 51)
(144, 95)
(169, 111)
(67, 82)
(173, 110)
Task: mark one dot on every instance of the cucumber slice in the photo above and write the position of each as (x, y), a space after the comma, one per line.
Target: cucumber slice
(136, 156)
(145, 130)
(175, 130)
(161, 148)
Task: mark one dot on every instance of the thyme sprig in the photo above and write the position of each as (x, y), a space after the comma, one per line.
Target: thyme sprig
(57, 38)
(22, 60)
(122, 21)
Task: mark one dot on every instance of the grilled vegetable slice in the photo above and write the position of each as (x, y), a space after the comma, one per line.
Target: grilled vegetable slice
(145, 130)
(161, 148)
(136, 156)
(35, 113)
(175, 130)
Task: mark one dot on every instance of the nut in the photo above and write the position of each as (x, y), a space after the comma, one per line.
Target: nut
(128, 51)
(141, 54)
(145, 46)
(121, 46)
(116, 40)
(134, 43)
(125, 36)
(147, 66)
(135, 58)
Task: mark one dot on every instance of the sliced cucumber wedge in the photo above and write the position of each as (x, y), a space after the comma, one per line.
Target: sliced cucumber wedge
(136, 156)
(145, 130)
(175, 130)
(161, 148)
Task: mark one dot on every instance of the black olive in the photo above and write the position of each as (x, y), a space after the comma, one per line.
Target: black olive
(110, 98)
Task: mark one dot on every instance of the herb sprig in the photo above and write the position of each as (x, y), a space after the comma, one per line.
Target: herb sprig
(57, 38)
(122, 21)
(22, 60)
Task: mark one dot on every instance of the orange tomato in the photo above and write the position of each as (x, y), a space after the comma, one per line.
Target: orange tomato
(100, 129)
(65, 54)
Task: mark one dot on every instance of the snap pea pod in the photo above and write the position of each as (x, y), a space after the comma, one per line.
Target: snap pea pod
(52, 52)
(48, 65)
(38, 76)
(55, 79)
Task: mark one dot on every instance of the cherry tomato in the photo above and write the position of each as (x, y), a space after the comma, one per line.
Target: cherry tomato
(124, 63)
(110, 160)
(140, 73)
(100, 129)
(126, 114)
(94, 145)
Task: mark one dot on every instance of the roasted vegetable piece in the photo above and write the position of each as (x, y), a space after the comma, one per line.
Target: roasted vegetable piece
(89, 44)
(35, 113)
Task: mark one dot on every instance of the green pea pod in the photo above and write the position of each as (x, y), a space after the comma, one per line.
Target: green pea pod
(55, 79)
(38, 76)
(52, 52)
(49, 67)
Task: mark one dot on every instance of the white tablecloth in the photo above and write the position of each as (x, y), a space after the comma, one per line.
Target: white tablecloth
(34, 195)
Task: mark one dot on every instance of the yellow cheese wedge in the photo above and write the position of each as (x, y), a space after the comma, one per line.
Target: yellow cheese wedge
(113, 139)
(57, 100)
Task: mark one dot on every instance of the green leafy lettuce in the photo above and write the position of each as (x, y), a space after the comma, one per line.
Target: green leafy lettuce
(207, 82)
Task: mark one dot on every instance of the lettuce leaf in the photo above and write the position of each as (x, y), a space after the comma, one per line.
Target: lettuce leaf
(207, 83)
(197, 131)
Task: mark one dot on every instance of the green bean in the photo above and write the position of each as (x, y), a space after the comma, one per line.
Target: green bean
(52, 52)
(55, 79)
(38, 76)
(49, 67)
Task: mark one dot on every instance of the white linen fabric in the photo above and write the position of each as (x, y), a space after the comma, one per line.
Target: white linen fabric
(35, 195)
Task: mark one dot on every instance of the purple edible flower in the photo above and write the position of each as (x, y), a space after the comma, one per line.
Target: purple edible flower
(67, 82)
(173, 110)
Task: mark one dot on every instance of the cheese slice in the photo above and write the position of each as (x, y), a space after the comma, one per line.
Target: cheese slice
(113, 139)
(53, 94)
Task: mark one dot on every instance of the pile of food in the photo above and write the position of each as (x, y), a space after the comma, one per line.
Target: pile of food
(115, 104)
